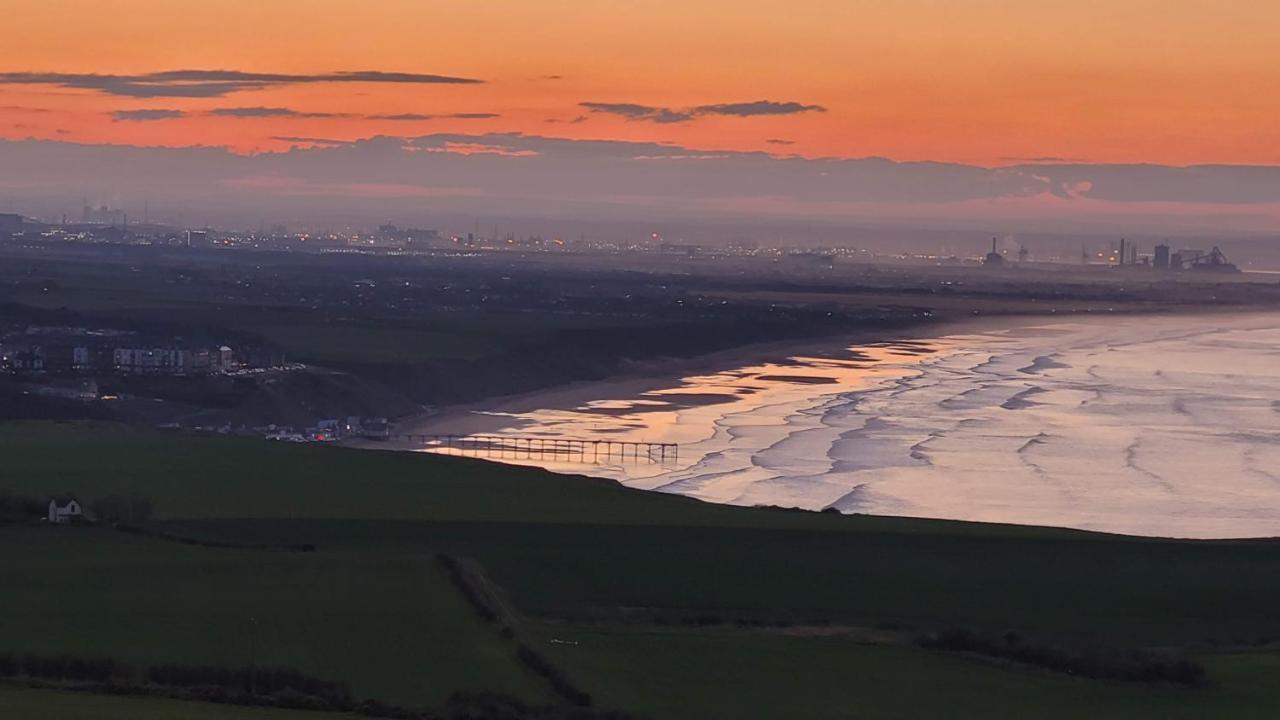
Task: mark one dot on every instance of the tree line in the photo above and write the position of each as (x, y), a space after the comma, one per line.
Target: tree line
(110, 509)
(274, 686)
(1094, 662)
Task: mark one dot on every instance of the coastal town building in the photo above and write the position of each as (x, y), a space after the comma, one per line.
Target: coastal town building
(64, 510)
(80, 351)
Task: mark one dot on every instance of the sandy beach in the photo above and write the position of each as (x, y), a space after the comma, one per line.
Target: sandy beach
(492, 415)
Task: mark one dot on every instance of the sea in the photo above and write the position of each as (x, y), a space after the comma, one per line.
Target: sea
(1155, 425)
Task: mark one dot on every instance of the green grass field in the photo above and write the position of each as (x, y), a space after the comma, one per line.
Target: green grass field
(691, 674)
(391, 626)
(591, 561)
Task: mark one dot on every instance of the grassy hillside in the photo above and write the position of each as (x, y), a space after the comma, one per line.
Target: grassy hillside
(677, 608)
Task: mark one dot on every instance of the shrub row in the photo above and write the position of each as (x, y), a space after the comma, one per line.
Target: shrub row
(1096, 663)
(14, 507)
(489, 706)
(65, 667)
(470, 587)
(473, 589)
(282, 687)
(540, 665)
(288, 688)
(269, 681)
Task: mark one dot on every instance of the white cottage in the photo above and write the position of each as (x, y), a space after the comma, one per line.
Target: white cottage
(65, 510)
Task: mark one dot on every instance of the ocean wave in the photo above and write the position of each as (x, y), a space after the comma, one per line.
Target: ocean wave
(1021, 399)
(1141, 425)
(1042, 363)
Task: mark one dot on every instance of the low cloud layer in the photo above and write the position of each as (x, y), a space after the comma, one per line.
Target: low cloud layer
(212, 83)
(633, 111)
(508, 174)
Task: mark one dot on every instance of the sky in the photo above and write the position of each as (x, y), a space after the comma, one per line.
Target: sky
(978, 83)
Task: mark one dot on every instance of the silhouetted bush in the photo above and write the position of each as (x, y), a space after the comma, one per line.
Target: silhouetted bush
(14, 508)
(378, 709)
(1097, 663)
(74, 667)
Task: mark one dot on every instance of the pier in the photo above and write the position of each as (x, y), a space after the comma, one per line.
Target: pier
(574, 450)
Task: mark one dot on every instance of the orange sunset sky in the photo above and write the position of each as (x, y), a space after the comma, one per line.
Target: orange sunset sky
(988, 82)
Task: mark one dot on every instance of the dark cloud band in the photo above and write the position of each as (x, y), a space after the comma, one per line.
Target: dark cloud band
(213, 83)
(144, 115)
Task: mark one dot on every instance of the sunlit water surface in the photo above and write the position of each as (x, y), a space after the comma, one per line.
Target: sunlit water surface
(1154, 426)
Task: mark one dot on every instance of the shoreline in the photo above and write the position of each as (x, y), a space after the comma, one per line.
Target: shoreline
(643, 376)
(881, 422)
(648, 375)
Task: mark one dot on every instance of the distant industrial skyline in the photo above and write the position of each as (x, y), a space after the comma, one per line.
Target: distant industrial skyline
(1016, 116)
(525, 182)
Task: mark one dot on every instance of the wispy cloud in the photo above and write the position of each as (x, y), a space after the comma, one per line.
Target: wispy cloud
(449, 116)
(758, 107)
(212, 83)
(651, 113)
(633, 111)
(261, 112)
(326, 142)
(283, 112)
(403, 116)
(1041, 159)
(780, 141)
(145, 115)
